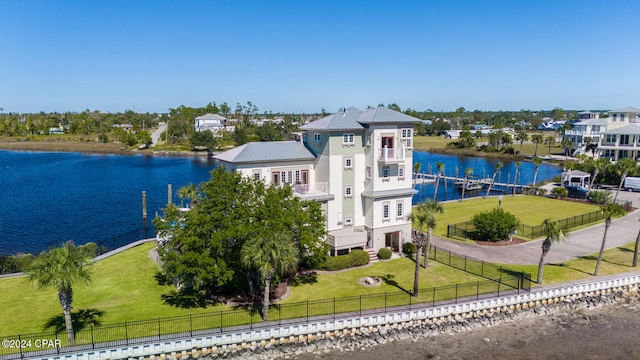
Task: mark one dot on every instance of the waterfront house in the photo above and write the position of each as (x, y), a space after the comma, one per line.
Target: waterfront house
(212, 122)
(356, 163)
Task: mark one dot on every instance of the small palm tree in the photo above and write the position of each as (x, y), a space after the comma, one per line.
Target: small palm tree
(553, 233)
(550, 141)
(269, 256)
(440, 167)
(522, 137)
(61, 268)
(493, 179)
(189, 192)
(536, 165)
(599, 166)
(515, 177)
(467, 173)
(537, 139)
(624, 167)
(609, 211)
(424, 217)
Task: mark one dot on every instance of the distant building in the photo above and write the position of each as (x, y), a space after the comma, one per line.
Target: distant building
(213, 122)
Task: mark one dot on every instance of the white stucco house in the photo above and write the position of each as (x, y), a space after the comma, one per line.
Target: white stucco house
(356, 163)
(213, 122)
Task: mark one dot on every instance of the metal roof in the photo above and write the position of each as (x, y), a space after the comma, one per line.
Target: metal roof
(353, 119)
(388, 193)
(257, 152)
(346, 119)
(627, 129)
(382, 115)
(211, 117)
(627, 109)
(599, 121)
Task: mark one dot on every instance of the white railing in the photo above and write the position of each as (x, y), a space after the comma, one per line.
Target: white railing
(392, 154)
(317, 188)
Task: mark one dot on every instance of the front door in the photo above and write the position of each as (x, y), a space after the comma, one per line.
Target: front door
(387, 142)
(305, 176)
(392, 241)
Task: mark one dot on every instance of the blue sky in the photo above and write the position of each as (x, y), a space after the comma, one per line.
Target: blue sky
(302, 56)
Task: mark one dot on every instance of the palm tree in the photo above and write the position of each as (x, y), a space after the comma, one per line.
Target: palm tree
(536, 165)
(550, 141)
(416, 167)
(522, 137)
(609, 211)
(424, 218)
(493, 179)
(467, 173)
(515, 177)
(537, 139)
(189, 192)
(553, 233)
(440, 167)
(635, 251)
(624, 167)
(269, 256)
(599, 166)
(61, 268)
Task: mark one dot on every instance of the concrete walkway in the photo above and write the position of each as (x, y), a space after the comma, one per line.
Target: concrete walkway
(579, 243)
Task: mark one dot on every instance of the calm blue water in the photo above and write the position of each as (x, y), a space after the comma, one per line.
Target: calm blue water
(47, 198)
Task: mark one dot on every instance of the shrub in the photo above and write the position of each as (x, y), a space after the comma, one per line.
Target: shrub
(494, 225)
(560, 192)
(600, 197)
(352, 259)
(384, 254)
(359, 257)
(409, 248)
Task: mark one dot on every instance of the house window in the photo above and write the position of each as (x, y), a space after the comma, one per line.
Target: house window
(385, 172)
(290, 176)
(624, 139)
(401, 171)
(385, 210)
(297, 176)
(610, 139)
(348, 163)
(368, 173)
(621, 117)
(256, 176)
(317, 138)
(348, 221)
(348, 191)
(348, 139)
(399, 209)
(283, 177)
(369, 137)
(407, 137)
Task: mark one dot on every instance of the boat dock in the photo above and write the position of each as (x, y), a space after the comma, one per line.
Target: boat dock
(422, 178)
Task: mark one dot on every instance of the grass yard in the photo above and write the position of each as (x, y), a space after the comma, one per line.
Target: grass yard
(123, 286)
(531, 210)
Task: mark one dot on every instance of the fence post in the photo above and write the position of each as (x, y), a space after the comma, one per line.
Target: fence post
(465, 263)
(410, 302)
(158, 328)
(93, 343)
(126, 332)
(478, 291)
(220, 320)
(307, 310)
(385, 302)
(360, 305)
(456, 293)
(190, 325)
(334, 308)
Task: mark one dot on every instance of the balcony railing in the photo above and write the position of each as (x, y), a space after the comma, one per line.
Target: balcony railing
(391, 154)
(317, 188)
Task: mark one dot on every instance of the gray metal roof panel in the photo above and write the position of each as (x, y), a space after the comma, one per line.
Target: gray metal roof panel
(347, 119)
(388, 193)
(627, 109)
(627, 129)
(382, 115)
(257, 152)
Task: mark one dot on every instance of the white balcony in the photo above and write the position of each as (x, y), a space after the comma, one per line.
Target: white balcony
(317, 191)
(391, 155)
(347, 238)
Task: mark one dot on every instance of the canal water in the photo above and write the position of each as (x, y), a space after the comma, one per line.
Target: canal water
(47, 198)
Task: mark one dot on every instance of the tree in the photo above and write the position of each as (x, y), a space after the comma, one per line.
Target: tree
(537, 139)
(203, 248)
(599, 166)
(609, 211)
(536, 165)
(61, 268)
(549, 141)
(553, 232)
(189, 192)
(494, 225)
(423, 216)
(522, 137)
(515, 177)
(467, 173)
(493, 179)
(440, 167)
(624, 167)
(269, 256)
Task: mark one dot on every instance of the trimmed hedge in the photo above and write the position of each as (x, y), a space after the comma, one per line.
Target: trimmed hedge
(384, 254)
(352, 259)
(409, 248)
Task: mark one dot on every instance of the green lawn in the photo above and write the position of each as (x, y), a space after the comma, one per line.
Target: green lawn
(531, 210)
(123, 286)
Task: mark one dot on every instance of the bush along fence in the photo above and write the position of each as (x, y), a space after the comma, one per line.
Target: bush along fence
(465, 229)
(499, 281)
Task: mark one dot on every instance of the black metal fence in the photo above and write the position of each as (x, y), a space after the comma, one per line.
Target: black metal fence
(465, 229)
(124, 239)
(499, 281)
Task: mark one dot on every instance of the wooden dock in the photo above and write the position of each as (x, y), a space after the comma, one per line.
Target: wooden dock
(421, 178)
